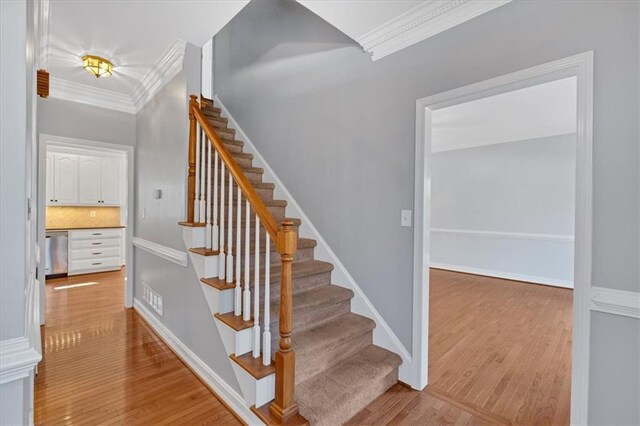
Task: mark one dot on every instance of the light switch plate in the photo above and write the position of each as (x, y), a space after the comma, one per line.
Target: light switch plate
(405, 218)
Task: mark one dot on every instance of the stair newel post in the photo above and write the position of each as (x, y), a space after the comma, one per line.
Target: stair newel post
(237, 307)
(284, 407)
(191, 176)
(222, 259)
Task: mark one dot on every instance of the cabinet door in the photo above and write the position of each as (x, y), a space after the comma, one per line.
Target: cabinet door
(111, 178)
(65, 180)
(88, 180)
(50, 178)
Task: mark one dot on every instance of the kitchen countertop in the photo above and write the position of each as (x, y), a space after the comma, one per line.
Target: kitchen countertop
(85, 227)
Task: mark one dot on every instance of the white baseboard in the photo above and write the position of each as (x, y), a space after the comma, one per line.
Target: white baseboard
(222, 390)
(617, 302)
(382, 335)
(506, 275)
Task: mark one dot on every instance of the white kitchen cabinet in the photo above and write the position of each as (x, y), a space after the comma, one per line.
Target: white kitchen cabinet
(50, 178)
(110, 181)
(94, 250)
(89, 181)
(65, 179)
(85, 180)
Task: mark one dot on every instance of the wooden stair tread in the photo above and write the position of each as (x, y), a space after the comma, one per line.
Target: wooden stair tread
(235, 322)
(254, 366)
(203, 251)
(218, 283)
(264, 414)
(193, 224)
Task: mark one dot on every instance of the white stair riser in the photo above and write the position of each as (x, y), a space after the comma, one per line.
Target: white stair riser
(219, 301)
(235, 342)
(193, 237)
(206, 266)
(256, 392)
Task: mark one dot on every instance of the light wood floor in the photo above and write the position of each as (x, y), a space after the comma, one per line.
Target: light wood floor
(499, 353)
(103, 364)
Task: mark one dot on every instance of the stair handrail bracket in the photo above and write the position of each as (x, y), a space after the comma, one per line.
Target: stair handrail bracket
(205, 148)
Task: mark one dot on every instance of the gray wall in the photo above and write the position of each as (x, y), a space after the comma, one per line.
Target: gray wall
(312, 101)
(520, 187)
(74, 120)
(161, 163)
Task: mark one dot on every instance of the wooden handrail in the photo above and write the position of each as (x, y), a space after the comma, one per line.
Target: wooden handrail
(266, 218)
(285, 237)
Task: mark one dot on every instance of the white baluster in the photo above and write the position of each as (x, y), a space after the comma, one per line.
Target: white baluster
(246, 295)
(256, 294)
(214, 229)
(221, 256)
(196, 199)
(208, 227)
(230, 233)
(266, 335)
(203, 201)
(238, 290)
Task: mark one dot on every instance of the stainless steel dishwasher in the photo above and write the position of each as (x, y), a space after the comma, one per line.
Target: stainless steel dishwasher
(56, 254)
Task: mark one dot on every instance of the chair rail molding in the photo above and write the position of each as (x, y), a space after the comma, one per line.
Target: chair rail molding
(89, 95)
(501, 234)
(176, 256)
(421, 22)
(617, 302)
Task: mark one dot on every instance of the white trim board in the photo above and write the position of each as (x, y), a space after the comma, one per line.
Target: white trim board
(225, 392)
(505, 275)
(421, 22)
(382, 335)
(581, 66)
(18, 358)
(167, 253)
(617, 302)
(502, 234)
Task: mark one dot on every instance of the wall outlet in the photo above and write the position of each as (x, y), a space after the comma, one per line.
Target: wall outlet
(152, 298)
(92, 213)
(405, 218)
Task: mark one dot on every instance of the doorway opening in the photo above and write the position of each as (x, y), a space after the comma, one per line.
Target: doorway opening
(503, 210)
(85, 210)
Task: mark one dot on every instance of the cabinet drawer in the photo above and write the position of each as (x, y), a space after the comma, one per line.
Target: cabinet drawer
(89, 234)
(94, 243)
(93, 265)
(94, 253)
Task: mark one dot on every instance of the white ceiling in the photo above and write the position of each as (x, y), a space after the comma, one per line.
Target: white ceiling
(543, 110)
(383, 27)
(134, 34)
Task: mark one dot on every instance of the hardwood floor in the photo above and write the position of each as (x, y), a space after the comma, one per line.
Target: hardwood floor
(104, 365)
(499, 353)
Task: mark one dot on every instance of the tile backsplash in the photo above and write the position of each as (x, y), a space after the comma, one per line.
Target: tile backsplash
(82, 217)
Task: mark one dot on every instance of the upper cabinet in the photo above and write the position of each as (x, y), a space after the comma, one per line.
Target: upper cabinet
(85, 180)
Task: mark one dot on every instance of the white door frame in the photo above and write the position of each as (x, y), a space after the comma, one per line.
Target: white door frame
(581, 66)
(83, 143)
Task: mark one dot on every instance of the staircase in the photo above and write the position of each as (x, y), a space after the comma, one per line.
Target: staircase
(232, 219)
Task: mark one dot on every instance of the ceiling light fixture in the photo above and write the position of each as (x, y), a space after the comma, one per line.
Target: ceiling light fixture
(97, 66)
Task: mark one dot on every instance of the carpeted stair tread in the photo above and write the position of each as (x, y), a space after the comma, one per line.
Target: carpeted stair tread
(330, 334)
(305, 301)
(335, 395)
(303, 243)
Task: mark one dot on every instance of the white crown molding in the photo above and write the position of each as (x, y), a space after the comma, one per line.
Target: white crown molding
(18, 358)
(500, 234)
(617, 302)
(168, 253)
(84, 94)
(422, 22)
(165, 68)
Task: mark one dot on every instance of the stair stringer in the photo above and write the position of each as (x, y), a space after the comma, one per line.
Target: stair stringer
(254, 391)
(383, 336)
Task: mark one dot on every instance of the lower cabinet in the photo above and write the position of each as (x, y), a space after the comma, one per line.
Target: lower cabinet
(94, 250)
